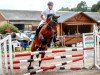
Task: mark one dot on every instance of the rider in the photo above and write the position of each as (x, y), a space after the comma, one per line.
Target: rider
(43, 16)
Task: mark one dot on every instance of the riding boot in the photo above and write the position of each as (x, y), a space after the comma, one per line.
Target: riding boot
(36, 34)
(37, 31)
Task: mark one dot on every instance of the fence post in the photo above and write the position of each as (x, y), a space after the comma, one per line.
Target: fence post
(95, 48)
(5, 55)
(1, 67)
(98, 52)
(84, 51)
(10, 55)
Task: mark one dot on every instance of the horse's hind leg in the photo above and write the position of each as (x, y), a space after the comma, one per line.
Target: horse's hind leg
(29, 67)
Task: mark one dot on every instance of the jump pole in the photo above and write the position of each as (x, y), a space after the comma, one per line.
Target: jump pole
(51, 51)
(52, 67)
(47, 58)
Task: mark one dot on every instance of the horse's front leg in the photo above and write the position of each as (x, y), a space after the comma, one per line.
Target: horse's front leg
(44, 47)
(39, 49)
(30, 67)
(32, 49)
(42, 56)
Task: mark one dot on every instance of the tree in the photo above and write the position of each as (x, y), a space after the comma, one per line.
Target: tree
(64, 9)
(82, 6)
(96, 7)
(73, 9)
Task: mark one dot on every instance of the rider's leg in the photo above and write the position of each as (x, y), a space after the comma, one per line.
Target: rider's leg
(37, 31)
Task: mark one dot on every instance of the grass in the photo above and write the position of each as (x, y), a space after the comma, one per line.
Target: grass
(22, 49)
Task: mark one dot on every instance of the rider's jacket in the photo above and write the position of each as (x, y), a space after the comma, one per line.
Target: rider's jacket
(45, 13)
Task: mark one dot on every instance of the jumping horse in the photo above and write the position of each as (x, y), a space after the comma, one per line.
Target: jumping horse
(45, 36)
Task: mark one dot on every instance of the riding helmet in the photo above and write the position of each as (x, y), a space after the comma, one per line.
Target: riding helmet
(50, 3)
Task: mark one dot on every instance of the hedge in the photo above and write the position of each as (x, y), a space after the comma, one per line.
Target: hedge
(4, 26)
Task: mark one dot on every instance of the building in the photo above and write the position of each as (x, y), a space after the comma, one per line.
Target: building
(23, 19)
(73, 24)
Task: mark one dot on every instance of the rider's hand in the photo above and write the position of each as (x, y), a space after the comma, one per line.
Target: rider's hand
(45, 22)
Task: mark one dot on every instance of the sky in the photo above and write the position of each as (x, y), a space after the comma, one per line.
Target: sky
(41, 4)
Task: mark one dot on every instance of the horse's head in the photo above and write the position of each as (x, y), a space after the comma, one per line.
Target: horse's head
(52, 22)
(51, 18)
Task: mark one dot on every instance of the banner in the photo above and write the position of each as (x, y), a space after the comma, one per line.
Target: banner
(88, 40)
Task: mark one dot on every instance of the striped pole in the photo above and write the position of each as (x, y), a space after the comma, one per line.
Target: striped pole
(48, 58)
(25, 67)
(18, 67)
(90, 48)
(72, 68)
(52, 67)
(52, 51)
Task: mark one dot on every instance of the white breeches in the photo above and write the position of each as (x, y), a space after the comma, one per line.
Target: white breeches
(40, 23)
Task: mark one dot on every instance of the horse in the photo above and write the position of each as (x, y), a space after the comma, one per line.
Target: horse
(45, 36)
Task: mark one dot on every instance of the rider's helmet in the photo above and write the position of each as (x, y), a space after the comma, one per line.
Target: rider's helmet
(50, 3)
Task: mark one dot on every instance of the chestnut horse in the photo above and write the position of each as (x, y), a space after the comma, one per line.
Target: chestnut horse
(45, 36)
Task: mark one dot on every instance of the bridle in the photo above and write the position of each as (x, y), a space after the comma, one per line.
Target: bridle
(53, 21)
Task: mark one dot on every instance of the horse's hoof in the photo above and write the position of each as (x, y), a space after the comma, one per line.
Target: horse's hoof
(29, 67)
(62, 68)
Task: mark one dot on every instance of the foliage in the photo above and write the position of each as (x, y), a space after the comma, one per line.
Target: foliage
(73, 9)
(64, 9)
(82, 6)
(4, 26)
(96, 7)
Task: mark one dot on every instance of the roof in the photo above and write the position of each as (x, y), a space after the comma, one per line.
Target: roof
(95, 15)
(23, 14)
(35, 15)
(67, 15)
(20, 14)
